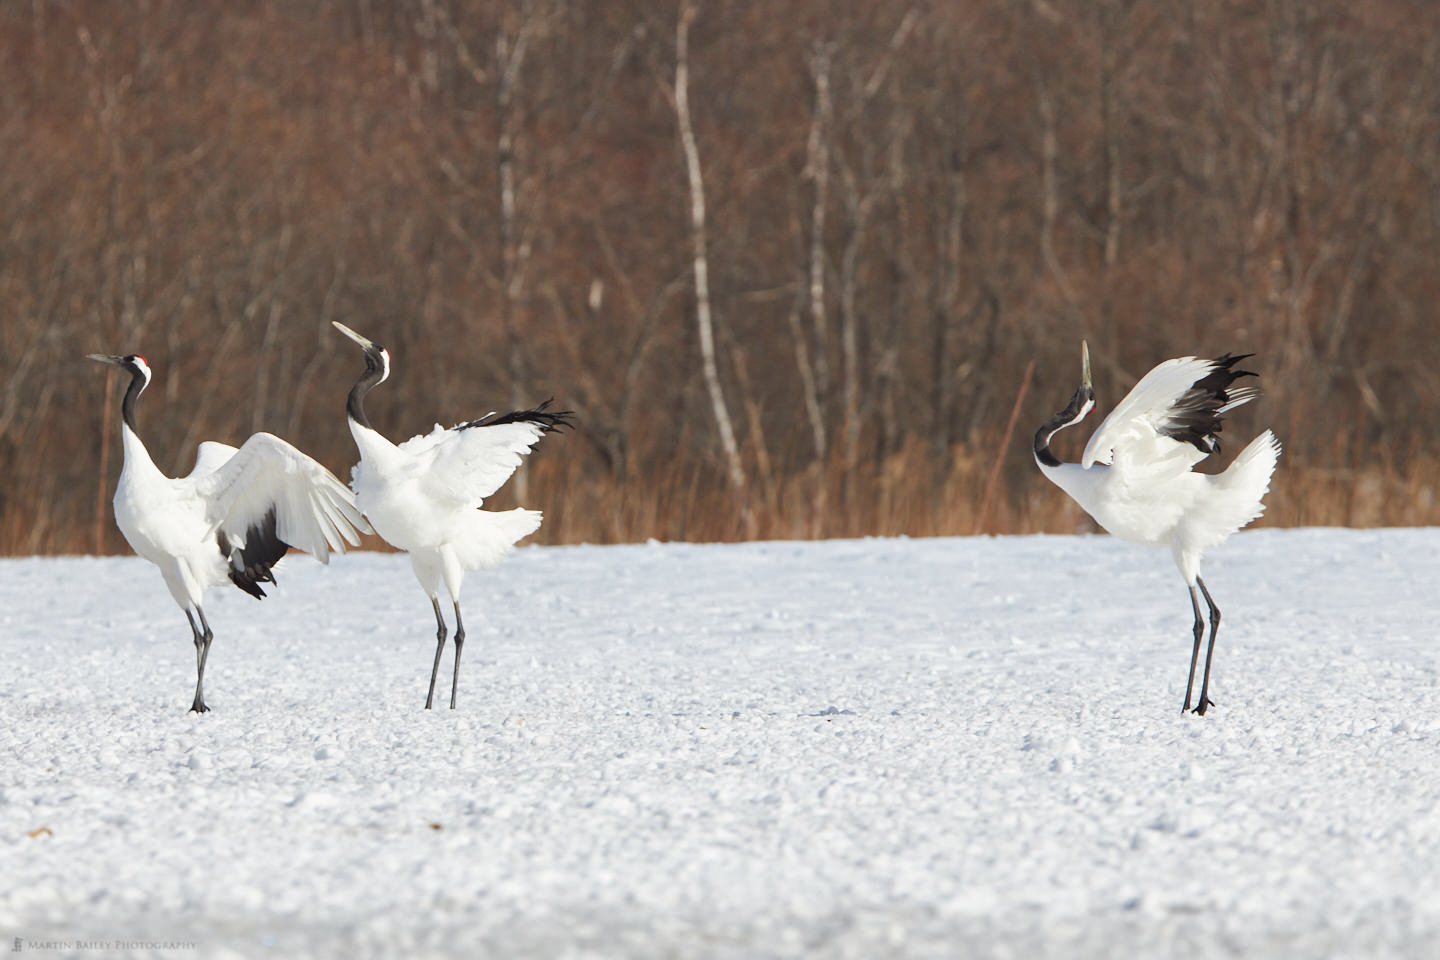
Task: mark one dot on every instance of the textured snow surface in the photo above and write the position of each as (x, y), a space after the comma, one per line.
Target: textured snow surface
(907, 748)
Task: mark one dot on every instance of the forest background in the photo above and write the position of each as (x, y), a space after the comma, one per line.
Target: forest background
(802, 269)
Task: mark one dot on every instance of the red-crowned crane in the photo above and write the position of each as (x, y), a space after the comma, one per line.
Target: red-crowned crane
(1136, 479)
(230, 519)
(423, 496)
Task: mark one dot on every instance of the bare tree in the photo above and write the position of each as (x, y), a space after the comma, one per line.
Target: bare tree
(703, 321)
(814, 376)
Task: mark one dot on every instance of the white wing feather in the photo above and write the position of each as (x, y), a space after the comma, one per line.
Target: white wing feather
(466, 466)
(314, 511)
(209, 457)
(1136, 420)
(1236, 496)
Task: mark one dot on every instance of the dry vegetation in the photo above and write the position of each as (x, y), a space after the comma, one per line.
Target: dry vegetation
(904, 204)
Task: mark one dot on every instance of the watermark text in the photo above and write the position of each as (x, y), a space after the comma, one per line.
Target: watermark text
(32, 944)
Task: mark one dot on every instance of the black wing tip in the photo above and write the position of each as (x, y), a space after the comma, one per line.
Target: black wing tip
(263, 549)
(249, 585)
(1226, 361)
(549, 421)
(1223, 374)
(253, 574)
(1196, 417)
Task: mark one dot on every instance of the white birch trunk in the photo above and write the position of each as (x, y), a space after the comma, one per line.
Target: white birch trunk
(704, 323)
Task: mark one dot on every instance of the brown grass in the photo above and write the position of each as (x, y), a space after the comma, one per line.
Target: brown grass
(908, 493)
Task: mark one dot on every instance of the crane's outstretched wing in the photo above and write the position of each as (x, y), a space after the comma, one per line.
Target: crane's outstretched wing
(268, 497)
(470, 461)
(1177, 403)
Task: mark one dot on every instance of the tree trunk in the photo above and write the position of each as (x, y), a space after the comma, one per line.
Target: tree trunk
(703, 321)
(815, 377)
(509, 56)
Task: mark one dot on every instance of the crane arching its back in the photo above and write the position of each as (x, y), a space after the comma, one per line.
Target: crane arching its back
(424, 495)
(1135, 476)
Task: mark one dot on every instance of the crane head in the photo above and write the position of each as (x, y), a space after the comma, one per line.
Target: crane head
(377, 358)
(133, 362)
(1083, 400)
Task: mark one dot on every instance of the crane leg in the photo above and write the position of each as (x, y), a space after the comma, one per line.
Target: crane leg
(439, 649)
(459, 642)
(203, 636)
(1195, 651)
(1205, 701)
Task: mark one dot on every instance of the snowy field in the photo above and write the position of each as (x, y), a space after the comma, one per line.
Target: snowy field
(868, 749)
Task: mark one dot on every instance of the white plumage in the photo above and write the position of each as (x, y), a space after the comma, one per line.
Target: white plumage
(423, 496)
(1136, 478)
(230, 519)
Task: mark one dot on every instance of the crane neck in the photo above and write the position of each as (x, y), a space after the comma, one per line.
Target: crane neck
(138, 462)
(377, 368)
(1081, 403)
(355, 403)
(1043, 456)
(138, 381)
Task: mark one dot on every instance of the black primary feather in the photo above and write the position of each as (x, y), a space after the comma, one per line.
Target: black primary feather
(542, 417)
(1195, 417)
(250, 565)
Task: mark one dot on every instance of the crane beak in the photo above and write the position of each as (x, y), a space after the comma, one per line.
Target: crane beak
(367, 344)
(1085, 365)
(105, 358)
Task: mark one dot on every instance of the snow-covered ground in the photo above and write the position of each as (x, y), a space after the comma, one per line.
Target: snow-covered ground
(928, 748)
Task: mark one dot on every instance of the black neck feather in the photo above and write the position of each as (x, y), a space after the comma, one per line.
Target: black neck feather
(1065, 418)
(354, 405)
(374, 373)
(127, 406)
(1042, 444)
